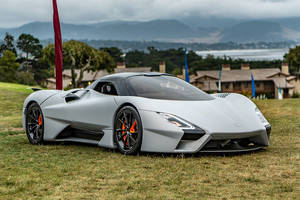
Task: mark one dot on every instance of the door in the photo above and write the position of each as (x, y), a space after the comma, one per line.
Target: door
(95, 109)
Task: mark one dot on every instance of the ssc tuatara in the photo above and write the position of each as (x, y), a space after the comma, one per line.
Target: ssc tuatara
(149, 112)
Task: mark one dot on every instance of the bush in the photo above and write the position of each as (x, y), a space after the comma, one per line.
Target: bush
(8, 67)
(270, 95)
(247, 94)
(25, 78)
(295, 95)
(67, 88)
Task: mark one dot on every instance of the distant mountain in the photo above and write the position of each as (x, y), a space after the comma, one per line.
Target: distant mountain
(254, 31)
(211, 22)
(291, 23)
(207, 30)
(101, 24)
(44, 30)
(152, 30)
(117, 30)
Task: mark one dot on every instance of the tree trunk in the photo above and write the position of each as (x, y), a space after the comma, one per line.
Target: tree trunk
(73, 74)
(83, 69)
(80, 77)
(73, 77)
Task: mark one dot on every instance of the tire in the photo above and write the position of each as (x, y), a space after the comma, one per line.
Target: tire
(35, 124)
(128, 131)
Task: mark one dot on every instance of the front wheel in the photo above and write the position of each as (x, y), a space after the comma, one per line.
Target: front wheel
(34, 124)
(128, 131)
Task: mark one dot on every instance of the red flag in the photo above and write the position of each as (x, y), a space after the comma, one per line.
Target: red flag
(58, 47)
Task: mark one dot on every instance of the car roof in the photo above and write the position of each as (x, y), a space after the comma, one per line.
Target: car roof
(119, 79)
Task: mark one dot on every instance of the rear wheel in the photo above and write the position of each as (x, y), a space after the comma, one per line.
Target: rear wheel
(35, 124)
(128, 131)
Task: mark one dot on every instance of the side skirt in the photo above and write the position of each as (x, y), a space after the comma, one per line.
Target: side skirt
(79, 135)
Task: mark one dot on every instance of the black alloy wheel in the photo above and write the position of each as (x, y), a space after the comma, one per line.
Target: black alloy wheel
(128, 131)
(34, 124)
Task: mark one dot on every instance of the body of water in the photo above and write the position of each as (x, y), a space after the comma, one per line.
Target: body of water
(248, 54)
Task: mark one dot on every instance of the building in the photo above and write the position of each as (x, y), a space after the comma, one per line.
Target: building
(267, 81)
(295, 81)
(89, 77)
(121, 68)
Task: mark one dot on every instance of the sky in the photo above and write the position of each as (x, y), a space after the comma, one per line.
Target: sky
(18, 12)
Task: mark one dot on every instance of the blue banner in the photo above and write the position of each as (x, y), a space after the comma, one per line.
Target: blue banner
(280, 97)
(253, 86)
(187, 77)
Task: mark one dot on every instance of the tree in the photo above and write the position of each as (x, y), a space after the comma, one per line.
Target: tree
(29, 45)
(8, 44)
(78, 55)
(41, 70)
(114, 52)
(8, 67)
(174, 59)
(293, 58)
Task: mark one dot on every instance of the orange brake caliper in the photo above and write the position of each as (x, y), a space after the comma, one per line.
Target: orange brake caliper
(40, 120)
(132, 129)
(123, 132)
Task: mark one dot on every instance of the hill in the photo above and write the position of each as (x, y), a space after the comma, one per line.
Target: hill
(254, 31)
(117, 30)
(291, 23)
(201, 31)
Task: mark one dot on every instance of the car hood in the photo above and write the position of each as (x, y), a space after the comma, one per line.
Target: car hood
(234, 113)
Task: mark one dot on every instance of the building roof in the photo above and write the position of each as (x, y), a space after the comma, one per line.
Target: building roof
(68, 73)
(91, 76)
(66, 82)
(195, 78)
(87, 76)
(133, 69)
(291, 78)
(240, 75)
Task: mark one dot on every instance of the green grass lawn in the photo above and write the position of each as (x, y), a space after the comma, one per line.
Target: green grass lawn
(74, 171)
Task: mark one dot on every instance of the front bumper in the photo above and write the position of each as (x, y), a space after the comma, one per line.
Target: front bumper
(24, 118)
(161, 136)
(229, 142)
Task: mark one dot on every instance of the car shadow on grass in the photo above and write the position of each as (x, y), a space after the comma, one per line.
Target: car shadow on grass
(201, 154)
(170, 155)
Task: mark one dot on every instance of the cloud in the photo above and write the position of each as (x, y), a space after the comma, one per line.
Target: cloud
(17, 12)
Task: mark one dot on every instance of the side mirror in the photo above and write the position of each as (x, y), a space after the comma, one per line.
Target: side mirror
(71, 97)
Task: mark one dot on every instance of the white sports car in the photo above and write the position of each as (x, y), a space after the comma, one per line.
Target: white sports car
(150, 112)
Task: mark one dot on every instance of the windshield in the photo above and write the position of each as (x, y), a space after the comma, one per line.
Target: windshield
(166, 87)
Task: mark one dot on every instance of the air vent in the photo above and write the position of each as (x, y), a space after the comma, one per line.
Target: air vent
(78, 133)
(222, 95)
(193, 134)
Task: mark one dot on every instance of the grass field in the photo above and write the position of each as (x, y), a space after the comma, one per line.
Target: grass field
(73, 171)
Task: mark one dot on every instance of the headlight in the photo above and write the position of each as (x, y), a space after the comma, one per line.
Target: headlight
(261, 117)
(178, 122)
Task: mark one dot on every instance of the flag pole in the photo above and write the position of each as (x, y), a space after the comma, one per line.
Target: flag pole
(58, 47)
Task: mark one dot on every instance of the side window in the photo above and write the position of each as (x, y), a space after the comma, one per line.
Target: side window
(106, 88)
